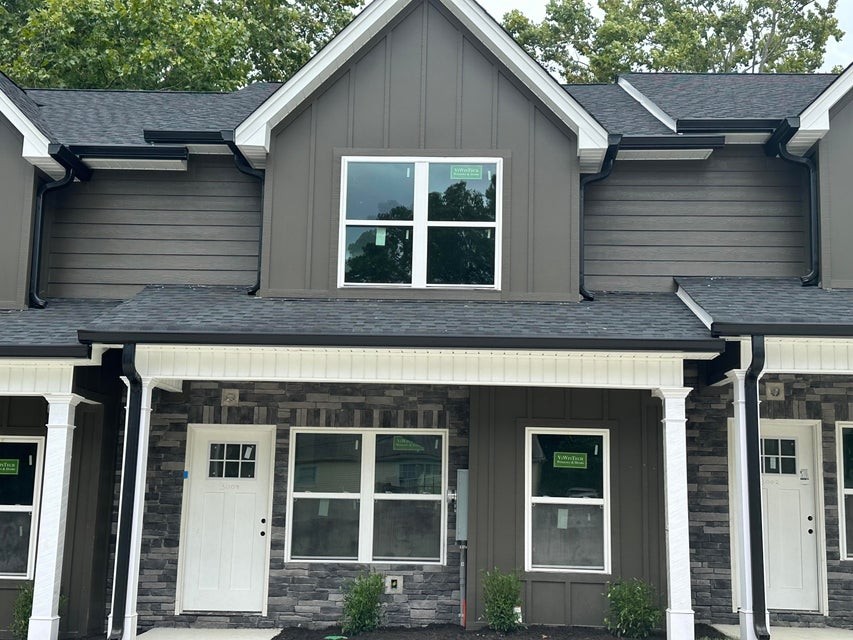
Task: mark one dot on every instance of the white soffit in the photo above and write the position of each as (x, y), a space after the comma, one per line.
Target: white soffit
(747, 138)
(136, 164)
(35, 150)
(253, 134)
(664, 154)
(807, 355)
(814, 120)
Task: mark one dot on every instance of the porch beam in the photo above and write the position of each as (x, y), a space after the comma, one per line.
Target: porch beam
(44, 620)
(679, 612)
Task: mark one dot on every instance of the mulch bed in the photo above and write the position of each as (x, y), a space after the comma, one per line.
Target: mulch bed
(453, 632)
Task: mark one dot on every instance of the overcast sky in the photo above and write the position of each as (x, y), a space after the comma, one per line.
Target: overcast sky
(837, 53)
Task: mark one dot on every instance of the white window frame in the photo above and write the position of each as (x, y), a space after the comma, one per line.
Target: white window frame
(530, 500)
(367, 495)
(34, 509)
(420, 224)
(846, 554)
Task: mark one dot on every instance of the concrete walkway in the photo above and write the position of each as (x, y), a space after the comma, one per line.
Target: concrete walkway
(793, 633)
(210, 634)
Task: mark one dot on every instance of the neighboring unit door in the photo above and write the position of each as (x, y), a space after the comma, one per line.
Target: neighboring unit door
(226, 520)
(791, 521)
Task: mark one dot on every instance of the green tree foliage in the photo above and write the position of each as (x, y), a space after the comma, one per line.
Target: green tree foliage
(163, 44)
(679, 35)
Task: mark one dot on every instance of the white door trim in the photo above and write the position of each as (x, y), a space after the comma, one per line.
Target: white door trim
(815, 427)
(192, 433)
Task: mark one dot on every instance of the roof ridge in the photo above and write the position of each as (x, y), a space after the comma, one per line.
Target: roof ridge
(763, 74)
(156, 91)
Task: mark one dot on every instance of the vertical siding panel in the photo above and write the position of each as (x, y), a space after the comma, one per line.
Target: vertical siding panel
(405, 99)
(16, 184)
(442, 63)
(477, 91)
(368, 90)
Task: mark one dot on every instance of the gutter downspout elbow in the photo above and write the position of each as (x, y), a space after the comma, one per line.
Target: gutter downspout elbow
(35, 300)
(613, 142)
(128, 489)
(245, 167)
(753, 468)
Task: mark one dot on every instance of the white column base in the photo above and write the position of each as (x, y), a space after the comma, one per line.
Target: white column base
(747, 630)
(41, 628)
(130, 626)
(679, 625)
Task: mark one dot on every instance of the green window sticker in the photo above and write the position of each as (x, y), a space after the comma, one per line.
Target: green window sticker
(466, 172)
(404, 444)
(9, 467)
(565, 460)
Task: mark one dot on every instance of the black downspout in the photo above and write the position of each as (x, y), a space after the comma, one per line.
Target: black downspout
(128, 490)
(613, 142)
(753, 469)
(38, 235)
(244, 166)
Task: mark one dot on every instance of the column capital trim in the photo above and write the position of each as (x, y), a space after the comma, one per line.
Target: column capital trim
(71, 399)
(672, 393)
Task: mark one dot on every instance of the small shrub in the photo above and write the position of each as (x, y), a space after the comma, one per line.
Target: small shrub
(21, 612)
(501, 596)
(362, 606)
(633, 609)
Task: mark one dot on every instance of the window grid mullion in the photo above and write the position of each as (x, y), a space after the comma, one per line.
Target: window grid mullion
(420, 226)
(568, 501)
(368, 480)
(461, 224)
(421, 497)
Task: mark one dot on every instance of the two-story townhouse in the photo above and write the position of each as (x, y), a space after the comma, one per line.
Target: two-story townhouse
(326, 306)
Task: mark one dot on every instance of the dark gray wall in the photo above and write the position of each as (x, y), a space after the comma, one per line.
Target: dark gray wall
(423, 85)
(124, 229)
(17, 184)
(739, 213)
(496, 520)
(836, 198)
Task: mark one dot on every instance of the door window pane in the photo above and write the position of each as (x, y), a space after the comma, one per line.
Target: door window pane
(329, 463)
(378, 255)
(407, 530)
(14, 542)
(325, 529)
(568, 536)
(847, 456)
(408, 464)
(567, 466)
(458, 255)
(462, 192)
(380, 190)
(17, 472)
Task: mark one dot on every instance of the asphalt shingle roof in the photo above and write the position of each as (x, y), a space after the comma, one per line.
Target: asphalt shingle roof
(616, 111)
(776, 306)
(49, 331)
(120, 117)
(732, 95)
(188, 314)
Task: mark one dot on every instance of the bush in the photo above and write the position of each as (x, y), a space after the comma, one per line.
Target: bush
(21, 612)
(501, 595)
(362, 606)
(633, 609)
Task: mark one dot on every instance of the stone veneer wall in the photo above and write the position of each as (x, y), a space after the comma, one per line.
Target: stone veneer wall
(299, 594)
(825, 398)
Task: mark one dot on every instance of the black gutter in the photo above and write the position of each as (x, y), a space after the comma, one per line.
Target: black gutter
(805, 329)
(157, 136)
(644, 143)
(777, 145)
(413, 341)
(46, 351)
(128, 491)
(613, 142)
(753, 470)
(74, 168)
(728, 125)
(130, 152)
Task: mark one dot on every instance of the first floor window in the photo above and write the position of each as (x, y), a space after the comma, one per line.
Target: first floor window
(567, 500)
(420, 222)
(846, 488)
(367, 496)
(20, 482)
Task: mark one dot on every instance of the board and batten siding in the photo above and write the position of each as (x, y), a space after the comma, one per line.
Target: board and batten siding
(17, 184)
(738, 213)
(110, 237)
(423, 87)
(836, 198)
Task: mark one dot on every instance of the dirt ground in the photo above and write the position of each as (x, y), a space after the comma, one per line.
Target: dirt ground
(452, 632)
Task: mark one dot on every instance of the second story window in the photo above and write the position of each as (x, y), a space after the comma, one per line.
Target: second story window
(418, 222)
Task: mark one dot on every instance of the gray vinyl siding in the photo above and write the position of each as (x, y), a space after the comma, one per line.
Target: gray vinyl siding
(17, 184)
(126, 229)
(499, 417)
(739, 213)
(836, 198)
(423, 87)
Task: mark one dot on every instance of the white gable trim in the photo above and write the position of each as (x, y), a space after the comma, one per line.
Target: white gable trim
(253, 134)
(647, 103)
(36, 144)
(814, 119)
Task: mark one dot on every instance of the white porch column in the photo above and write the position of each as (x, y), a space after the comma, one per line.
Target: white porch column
(44, 621)
(679, 612)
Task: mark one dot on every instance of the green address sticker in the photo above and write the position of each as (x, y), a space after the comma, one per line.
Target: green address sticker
(9, 467)
(404, 444)
(565, 460)
(466, 172)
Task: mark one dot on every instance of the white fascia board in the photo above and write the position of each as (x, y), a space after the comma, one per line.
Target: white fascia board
(253, 134)
(647, 103)
(814, 119)
(136, 164)
(664, 154)
(35, 149)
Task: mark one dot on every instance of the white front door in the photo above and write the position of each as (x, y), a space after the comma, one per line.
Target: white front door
(789, 478)
(226, 518)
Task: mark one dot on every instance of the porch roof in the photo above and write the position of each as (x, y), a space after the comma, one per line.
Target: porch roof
(769, 306)
(227, 316)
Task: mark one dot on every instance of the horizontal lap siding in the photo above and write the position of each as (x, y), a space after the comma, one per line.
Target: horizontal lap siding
(127, 229)
(738, 213)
